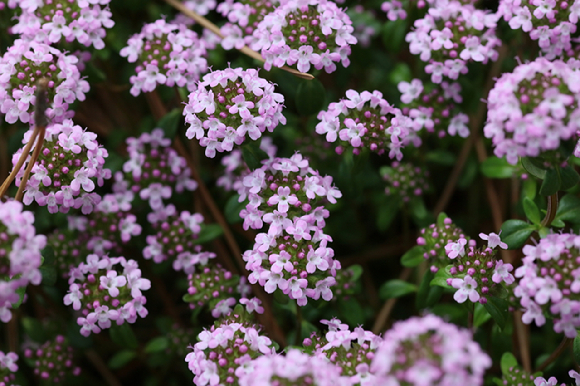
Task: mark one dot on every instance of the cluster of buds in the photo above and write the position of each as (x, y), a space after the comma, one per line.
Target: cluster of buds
(434, 110)
(20, 255)
(395, 11)
(69, 245)
(305, 33)
(549, 280)
(154, 170)
(22, 66)
(111, 225)
(210, 284)
(175, 238)
(365, 120)
(479, 270)
(550, 22)
(428, 351)
(293, 369)
(8, 367)
(452, 35)
(169, 54)
(48, 21)
(352, 351)
(243, 18)
(435, 237)
(222, 351)
(106, 289)
(515, 376)
(365, 24)
(235, 169)
(533, 111)
(405, 181)
(293, 255)
(201, 7)
(64, 175)
(178, 338)
(346, 282)
(230, 104)
(53, 361)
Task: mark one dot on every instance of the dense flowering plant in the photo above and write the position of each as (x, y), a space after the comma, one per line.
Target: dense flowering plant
(23, 65)
(106, 289)
(533, 111)
(243, 18)
(169, 54)
(230, 105)
(428, 351)
(53, 361)
(65, 173)
(405, 180)
(306, 33)
(20, 257)
(69, 245)
(433, 240)
(8, 367)
(49, 21)
(365, 120)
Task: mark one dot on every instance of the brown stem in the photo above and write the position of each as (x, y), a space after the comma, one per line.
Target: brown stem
(563, 344)
(551, 210)
(12, 332)
(216, 30)
(35, 154)
(19, 163)
(102, 368)
(522, 333)
(384, 313)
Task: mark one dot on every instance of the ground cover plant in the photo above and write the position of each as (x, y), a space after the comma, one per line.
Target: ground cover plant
(289, 192)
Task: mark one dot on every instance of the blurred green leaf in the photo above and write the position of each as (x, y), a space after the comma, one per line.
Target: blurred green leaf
(508, 361)
(441, 157)
(396, 288)
(413, 257)
(351, 311)
(529, 188)
(400, 73)
(121, 358)
(480, 315)
(440, 278)
(253, 155)
(569, 177)
(20, 291)
(170, 122)
(357, 271)
(387, 212)
(123, 336)
(532, 212)
(534, 166)
(232, 209)
(576, 349)
(157, 344)
(495, 167)
(552, 182)
(568, 209)
(33, 328)
(310, 96)
(498, 309)
(48, 273)
(515, 233)
(393, 34)
(424, 289)
(441, 217)
(209, 232)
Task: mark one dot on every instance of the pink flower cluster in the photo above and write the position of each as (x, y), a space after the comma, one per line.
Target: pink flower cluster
(20, 255)
(394, 9)
(209, 284)
(50, 22)
(230, 104)
(224, 350)
(154, 170)
(64, 175)
(435, 237)
(243, 18)
(365, 120)
(8, 367)
(69, 245)
(174, 238)
(549, 280)
(550, 22)
(450, 36)
(435, 109)
(106, 289)
(201, 7)
(365, 24)
(53, 361)
(479, 269)
(305, 33)
(293, 255)
(22, 65)
(405, 181)
(235, 169)
(293, 369)
(352, 351)
(169, 54)
(428, 351)
(533, 110)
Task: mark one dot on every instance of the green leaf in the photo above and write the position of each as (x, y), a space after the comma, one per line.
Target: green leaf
(440, 278)
(310, 96)
(34, 329)
(441, 220)
(232, 209)
(396, 288)
(157, 344)
(400, 73)
(393, 34)
(123, 336)
(434, 295)
(498, 309)
(209, 232)
(557, 224)
(413, 257)
(170, 122)
(532, 212)
(47, 255)
(568, 209)
(534, 166)
(495, 167)
(357, 271)
(480, 315)
(424, 289)
(515, 233)
(508, 361)
(387, 212)
(351, 311)
(121, 358)
(441, 157)
(20, 291)
(48, 273)
(529, 188)
(253, 155)
(576, 349)
(569, 177)
(552, 182)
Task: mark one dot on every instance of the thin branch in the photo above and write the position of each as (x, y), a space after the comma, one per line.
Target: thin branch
(33, 159)
(216, 30)
(25, 152)
(102, 368)
(551, 210)
(559, 350)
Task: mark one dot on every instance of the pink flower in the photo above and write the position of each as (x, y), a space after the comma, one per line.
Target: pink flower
(466, 289)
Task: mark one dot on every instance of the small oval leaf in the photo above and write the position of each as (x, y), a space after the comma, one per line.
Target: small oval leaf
(515, 233)
(532, 212)
(396, 288)
(413, 257)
